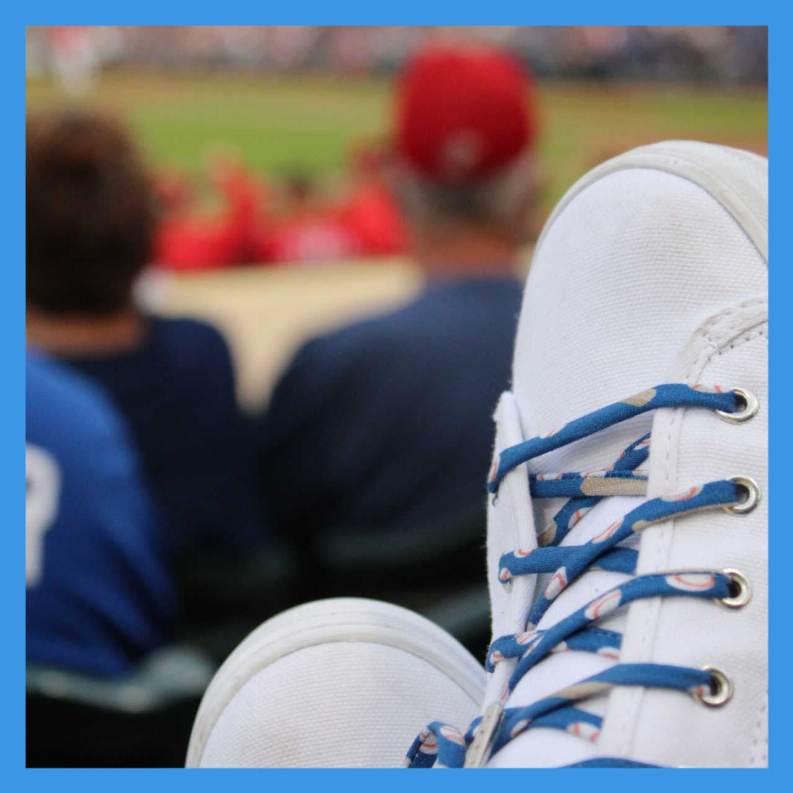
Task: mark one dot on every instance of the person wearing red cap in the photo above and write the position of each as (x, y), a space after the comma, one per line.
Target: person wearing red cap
(465, 152)
(377, 439)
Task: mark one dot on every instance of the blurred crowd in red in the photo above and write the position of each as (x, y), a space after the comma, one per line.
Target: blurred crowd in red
(257, 223)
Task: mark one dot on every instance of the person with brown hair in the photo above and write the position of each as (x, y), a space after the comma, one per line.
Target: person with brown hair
(89, 204)
(91, 220)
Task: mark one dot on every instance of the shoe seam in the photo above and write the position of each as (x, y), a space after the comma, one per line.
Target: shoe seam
(758, 731)
(649, 636)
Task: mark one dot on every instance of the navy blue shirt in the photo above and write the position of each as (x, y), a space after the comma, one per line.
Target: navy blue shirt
(98, 593)
(388, 421)
(176, 392)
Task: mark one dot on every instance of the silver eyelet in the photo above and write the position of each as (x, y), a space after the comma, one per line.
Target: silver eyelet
(752, 498)
(743, 591)
(721, 689)
(749, 409)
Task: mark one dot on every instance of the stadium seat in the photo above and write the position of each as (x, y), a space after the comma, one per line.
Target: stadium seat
(223, 600)
(141, 720)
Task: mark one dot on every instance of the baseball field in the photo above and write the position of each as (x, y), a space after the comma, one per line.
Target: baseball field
(278, 125)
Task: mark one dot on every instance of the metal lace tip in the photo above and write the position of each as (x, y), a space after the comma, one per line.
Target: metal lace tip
(478, 752)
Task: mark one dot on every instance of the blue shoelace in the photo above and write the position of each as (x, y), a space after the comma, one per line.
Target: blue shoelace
(443, 745)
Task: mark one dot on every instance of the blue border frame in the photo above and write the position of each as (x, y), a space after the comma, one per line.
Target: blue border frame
(15, 15)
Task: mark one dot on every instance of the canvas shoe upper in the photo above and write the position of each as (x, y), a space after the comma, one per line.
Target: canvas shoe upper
(651, 271)
(335, 683)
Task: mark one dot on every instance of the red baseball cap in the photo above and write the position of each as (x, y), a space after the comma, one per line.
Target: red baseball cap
(463, 113)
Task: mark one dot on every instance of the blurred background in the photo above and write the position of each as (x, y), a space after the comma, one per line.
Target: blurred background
(288, 430)
(305, 104)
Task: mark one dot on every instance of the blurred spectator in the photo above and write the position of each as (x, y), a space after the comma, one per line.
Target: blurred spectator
(191, 240)
(371, 211)
(384, 427)
(105, 683)
(74, 57)
(307, 230)
(90, 227)
(99, 596)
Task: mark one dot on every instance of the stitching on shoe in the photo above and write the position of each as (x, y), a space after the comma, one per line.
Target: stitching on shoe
(749, 337)
(718, 319)
(758, 729)
(718, 350)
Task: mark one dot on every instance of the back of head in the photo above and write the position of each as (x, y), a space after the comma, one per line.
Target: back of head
(465, 131)
(90, 213)
(299, 189)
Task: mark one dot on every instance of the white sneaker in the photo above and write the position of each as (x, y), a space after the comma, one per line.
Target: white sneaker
(651, 270)
(337, 683)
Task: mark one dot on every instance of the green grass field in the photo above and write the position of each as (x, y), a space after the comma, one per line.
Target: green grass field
(278, 124)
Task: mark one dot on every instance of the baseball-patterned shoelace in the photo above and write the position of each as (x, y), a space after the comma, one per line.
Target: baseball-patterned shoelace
(442, 745)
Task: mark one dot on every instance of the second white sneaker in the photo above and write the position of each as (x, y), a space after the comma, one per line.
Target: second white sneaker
(337, 683)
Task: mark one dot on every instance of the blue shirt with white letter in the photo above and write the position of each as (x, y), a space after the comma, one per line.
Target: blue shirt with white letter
(99, 596)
